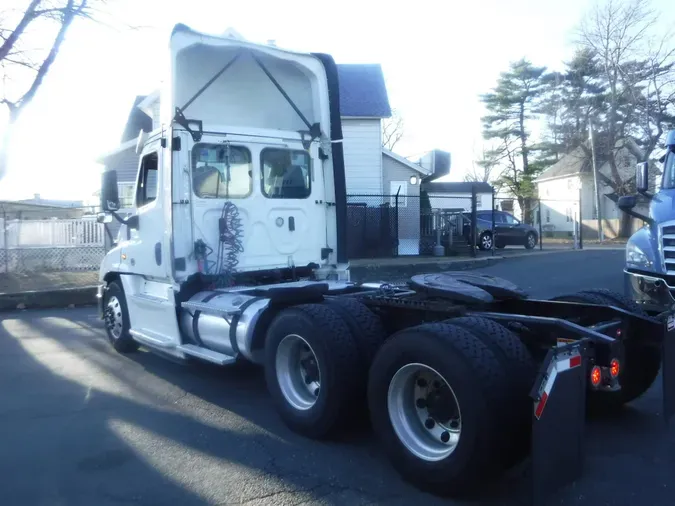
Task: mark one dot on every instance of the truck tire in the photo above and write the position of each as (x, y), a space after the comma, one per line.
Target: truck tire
(312, 369)
(442, 448)
(520, 371)
(641, 363)
(116, 319)
(365, 326)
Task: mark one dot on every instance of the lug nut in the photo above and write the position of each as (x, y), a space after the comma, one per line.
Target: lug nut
(429, 424)
(454, 424)
(421, 403)
(445, 436)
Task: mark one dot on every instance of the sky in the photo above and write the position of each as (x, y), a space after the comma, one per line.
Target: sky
(437, 58)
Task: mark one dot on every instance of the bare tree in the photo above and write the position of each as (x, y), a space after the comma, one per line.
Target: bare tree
(484, 168)
(617, 31)
(23, 62)
(392, 130)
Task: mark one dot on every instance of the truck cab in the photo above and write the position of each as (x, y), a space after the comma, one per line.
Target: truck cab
(649, 273)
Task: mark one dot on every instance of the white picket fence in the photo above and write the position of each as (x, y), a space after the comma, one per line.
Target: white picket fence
(49, 245)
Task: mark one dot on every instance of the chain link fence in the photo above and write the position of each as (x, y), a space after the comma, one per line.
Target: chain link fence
(44, 247)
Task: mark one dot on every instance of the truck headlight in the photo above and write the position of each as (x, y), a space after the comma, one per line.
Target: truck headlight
(636, 257)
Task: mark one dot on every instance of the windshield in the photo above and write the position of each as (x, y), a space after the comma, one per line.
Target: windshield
(669, 171)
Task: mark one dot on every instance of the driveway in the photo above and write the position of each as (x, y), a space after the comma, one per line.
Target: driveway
(82, 425)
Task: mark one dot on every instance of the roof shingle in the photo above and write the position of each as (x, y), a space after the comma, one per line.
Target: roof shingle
(363, 93)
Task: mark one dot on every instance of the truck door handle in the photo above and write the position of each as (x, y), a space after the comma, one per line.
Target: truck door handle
(291, 223)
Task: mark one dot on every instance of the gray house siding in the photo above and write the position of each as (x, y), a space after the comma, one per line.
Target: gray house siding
(396, 174)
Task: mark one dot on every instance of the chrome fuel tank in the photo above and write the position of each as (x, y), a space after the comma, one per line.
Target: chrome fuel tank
(225, 322)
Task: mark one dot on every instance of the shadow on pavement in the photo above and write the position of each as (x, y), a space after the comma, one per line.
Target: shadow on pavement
(84, 425)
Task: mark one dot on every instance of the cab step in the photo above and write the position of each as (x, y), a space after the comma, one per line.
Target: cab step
(206, 354)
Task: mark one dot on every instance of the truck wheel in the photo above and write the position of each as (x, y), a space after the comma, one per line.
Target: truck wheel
(365, 326)
(312, 369)
(116, 319)
(434, 398)
(520, 370)
(641, 363)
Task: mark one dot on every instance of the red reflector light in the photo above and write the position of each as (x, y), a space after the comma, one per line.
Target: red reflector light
(614, 368)
(540, 406)
(575, 361)
(596, 376)
(618, 332)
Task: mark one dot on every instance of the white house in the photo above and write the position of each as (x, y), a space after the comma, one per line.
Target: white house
(563, 185)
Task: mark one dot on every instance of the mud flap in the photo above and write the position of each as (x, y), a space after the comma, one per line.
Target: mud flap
(668, 368)
(558, 421)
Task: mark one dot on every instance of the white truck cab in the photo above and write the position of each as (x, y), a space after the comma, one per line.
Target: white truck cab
(242, 185)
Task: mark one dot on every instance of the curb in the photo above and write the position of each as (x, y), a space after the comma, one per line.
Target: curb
(49, 299)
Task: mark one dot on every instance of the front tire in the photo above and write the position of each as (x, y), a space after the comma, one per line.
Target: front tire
(312, 369)
(434, 398)
(530, 240)
(485, 241)
(116, 319)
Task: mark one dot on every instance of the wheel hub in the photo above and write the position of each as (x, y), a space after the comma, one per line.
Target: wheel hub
(298, 372)
(113, 319)
(424, 412)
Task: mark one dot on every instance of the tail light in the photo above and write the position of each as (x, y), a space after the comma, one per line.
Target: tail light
(596, 376)
(614, 368)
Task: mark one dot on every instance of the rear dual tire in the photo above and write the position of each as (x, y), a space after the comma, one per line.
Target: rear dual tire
(477, 383)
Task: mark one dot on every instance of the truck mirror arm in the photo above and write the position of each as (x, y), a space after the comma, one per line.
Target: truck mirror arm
(637, 215)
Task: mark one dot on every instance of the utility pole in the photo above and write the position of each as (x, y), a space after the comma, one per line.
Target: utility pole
(601, 236)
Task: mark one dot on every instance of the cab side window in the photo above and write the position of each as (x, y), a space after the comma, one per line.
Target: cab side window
(148, 180)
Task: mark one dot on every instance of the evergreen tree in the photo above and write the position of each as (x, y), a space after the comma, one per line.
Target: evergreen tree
(511, 105)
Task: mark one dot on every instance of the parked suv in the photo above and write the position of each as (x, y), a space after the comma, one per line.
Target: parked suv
(509, 231)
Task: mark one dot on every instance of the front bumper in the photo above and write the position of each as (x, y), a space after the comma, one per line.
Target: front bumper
(650, 292)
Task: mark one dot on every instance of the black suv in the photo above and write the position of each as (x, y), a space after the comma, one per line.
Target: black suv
(509, 231)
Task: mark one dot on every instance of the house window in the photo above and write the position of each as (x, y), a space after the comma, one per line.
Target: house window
(221, 171)
(394, 187)
(548, 215)
(146, 189)
(286, 173)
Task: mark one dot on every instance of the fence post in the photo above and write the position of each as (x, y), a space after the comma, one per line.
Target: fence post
(581, 223)
(6, 239)
(474, 217)
(493, 222)
(396, 220)
(541, 236)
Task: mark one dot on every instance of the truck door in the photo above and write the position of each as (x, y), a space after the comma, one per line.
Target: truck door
(145, 252)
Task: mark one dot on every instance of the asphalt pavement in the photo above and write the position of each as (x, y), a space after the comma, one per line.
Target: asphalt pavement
(81, 425)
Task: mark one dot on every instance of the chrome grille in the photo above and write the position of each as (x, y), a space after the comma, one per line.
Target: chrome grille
(668, 247)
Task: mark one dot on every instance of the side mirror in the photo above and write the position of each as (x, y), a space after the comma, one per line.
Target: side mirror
(642, 177)
(627, 202)
(104, 218)
(110, 200)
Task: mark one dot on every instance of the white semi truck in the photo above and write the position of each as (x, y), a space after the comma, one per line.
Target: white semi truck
(235, 251)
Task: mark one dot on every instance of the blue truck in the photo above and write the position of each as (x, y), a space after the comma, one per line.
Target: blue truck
(649, 273)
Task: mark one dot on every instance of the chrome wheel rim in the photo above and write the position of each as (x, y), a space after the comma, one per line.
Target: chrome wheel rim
(487, 242)
(298, 373)
(424, 412)
(531, 240)
(114, 320)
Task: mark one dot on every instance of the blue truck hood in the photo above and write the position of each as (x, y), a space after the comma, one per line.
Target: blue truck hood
(662, 206)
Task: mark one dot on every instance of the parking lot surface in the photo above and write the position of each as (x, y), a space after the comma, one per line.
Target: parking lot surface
(82, 425)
